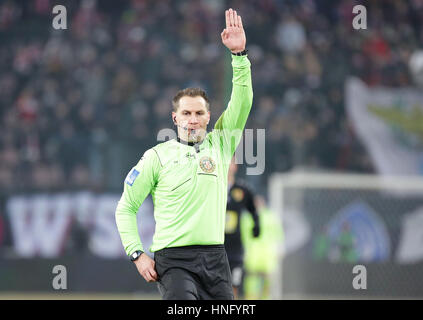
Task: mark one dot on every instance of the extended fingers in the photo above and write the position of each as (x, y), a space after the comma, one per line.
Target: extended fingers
(236, 24)
(232, 19)
(240, 22)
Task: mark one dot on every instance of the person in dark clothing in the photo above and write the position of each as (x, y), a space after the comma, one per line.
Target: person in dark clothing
(240, 198)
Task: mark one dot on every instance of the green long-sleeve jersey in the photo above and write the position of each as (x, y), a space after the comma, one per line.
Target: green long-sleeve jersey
(188, 184)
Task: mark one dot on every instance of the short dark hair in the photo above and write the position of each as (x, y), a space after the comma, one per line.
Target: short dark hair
(191, 92)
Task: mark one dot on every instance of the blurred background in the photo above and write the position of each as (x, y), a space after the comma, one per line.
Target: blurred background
(343, 114)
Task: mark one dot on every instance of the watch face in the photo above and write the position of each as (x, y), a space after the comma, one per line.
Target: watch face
(135, 255)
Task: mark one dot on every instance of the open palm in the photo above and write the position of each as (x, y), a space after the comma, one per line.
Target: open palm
(233, 36)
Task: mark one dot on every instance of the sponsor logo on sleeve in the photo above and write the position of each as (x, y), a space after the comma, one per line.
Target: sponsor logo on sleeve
(130, 179)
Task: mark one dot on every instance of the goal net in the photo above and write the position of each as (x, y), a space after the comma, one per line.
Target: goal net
(336, 222)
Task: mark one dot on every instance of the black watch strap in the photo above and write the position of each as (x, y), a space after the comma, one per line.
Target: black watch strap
(134, 256)
(242, 53)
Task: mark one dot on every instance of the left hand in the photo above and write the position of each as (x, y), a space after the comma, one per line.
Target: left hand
(233, 36)
(256, 231)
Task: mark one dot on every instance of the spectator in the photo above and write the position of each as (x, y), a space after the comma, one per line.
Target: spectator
(65, 94)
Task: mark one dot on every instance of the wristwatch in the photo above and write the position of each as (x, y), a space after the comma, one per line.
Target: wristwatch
(134, 256)
(242, 53)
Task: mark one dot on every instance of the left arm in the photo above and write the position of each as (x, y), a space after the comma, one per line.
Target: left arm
(251, 207)
(233, 119)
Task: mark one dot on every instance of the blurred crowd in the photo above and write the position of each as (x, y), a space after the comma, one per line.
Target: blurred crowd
(79, 106)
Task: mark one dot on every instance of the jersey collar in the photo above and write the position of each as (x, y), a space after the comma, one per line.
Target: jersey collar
(191, 144)
(185, 142)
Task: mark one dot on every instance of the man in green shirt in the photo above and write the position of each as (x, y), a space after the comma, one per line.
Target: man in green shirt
(187, 178)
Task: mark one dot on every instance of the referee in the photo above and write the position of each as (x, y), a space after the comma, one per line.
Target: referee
(187, 178)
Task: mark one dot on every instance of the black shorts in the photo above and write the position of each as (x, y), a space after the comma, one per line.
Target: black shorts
(194, 273)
